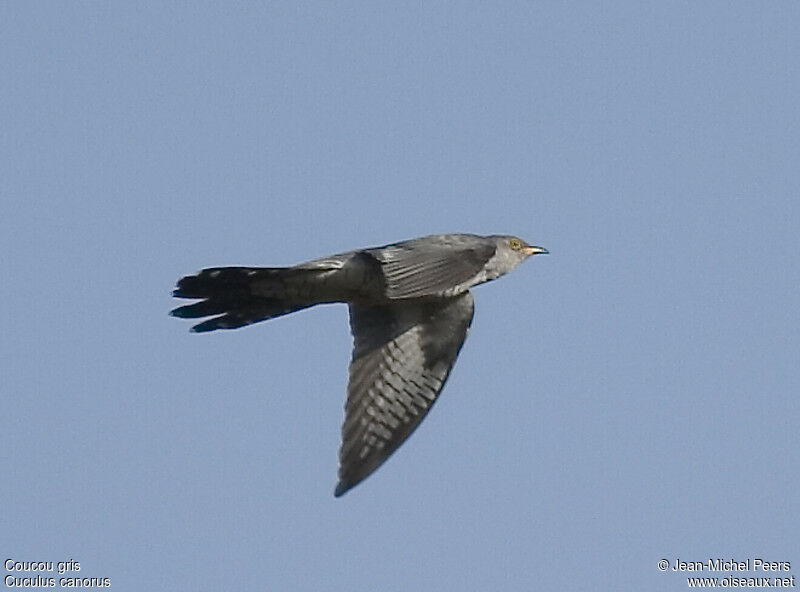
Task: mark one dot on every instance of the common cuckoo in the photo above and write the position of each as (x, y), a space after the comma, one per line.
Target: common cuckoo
(410, 309)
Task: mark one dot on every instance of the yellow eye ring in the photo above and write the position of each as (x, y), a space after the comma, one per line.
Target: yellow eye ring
(515, 244)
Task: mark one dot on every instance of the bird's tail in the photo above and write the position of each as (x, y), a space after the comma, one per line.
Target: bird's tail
(238, 296)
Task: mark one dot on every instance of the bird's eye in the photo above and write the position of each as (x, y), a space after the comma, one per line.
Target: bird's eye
(515, 244)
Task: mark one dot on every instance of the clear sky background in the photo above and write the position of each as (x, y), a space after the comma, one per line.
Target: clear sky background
(631, 397)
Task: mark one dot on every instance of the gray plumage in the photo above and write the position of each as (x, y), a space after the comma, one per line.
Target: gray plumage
(410, 310)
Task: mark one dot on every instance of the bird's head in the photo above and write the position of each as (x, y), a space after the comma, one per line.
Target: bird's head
(515, 250)
(510, 252)
(526, 250)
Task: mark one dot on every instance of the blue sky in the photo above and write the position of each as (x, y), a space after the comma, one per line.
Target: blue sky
(633, 396)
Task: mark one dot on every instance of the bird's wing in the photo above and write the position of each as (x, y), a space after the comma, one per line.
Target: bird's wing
(432, 266)
(402, 356)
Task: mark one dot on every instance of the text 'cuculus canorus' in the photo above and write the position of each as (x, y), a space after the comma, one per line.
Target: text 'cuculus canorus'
(410, 309)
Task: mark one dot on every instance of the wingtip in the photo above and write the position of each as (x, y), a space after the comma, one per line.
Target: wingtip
(341, 489)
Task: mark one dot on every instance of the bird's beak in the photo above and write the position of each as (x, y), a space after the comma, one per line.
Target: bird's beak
(536, 251)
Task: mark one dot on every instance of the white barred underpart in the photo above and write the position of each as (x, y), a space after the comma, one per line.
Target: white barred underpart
(403, 391)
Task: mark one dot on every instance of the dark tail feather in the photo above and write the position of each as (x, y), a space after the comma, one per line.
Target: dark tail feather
(227, 291)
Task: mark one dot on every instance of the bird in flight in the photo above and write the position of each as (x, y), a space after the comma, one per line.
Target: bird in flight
(410, 309)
